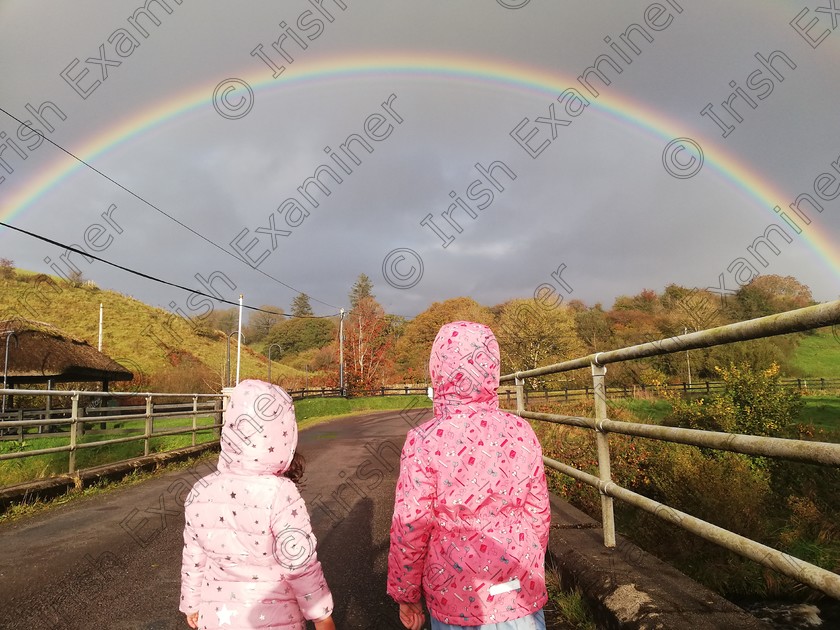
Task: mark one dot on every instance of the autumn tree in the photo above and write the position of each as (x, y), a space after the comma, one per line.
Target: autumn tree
(262, 321)
(593, 327)
(531, 335)
(363, 288)
(651, 317)
(301, 306)
(415, 343)
(641, 319)
(7, 269)
(693, 309)
(224, 319)
(700, 310)
(686, 310)
(367, 345)
(770, 294)
(647, 302)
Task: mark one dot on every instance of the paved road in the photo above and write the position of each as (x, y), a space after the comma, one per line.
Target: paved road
(113, 561)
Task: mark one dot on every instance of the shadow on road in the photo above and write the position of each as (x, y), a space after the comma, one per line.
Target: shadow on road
(357, 571)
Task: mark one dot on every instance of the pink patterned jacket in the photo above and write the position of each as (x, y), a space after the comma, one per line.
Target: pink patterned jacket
(249, 553)
(471, 517)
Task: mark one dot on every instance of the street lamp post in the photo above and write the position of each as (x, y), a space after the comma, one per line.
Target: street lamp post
(227, 360)
(269, 357)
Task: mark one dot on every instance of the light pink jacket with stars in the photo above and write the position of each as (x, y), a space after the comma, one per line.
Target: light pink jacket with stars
(471, 517)
(249, 553)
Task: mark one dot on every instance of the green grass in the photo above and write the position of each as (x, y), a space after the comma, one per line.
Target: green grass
(16, 471)
(565, 607)
(327, 408)
(821, 411)
(818, 354)
(649, 411)
(309, 411)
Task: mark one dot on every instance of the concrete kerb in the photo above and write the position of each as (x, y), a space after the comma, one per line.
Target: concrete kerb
(629, 589)
(58, 485)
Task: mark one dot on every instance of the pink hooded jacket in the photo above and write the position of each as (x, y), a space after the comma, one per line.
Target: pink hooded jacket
(249, 553)
(471, 518)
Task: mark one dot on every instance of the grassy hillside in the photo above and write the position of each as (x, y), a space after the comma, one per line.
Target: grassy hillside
(143, 338)
(818, 354)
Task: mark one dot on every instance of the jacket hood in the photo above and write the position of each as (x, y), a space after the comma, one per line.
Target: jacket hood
(259, 435)
(464, 366)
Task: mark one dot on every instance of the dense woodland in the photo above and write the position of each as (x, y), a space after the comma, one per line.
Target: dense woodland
(384, 349)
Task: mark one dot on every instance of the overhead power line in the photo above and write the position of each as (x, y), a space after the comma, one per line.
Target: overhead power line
(166, 214)
(153, 278)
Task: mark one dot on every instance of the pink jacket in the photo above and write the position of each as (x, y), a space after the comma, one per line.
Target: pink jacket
(249, 553)
(471, 517)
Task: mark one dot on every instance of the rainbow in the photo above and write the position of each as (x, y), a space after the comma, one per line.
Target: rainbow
(484, 73)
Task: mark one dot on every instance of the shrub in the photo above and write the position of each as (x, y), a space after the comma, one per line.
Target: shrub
(630, 457)
(7, 269)
(76, 279)
(752, 402)
(207, 332)
(184, 374)
(787, 505)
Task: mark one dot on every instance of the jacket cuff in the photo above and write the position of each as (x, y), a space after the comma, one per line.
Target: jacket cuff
(316, 605)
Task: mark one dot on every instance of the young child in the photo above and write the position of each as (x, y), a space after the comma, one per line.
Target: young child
(249, 553)
(471, 518)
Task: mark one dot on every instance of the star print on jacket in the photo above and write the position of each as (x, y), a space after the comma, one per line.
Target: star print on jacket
(471, 516)
(224, 615)
(236, 570)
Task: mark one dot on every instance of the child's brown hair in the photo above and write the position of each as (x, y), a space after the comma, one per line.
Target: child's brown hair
(296, 468)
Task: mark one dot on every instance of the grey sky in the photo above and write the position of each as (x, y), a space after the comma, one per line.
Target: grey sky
(463, 75)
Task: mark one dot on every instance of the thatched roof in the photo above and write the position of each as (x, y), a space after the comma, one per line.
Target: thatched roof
(43, 352)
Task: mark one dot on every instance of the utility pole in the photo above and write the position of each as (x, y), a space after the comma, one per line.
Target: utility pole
(341, 351)
(100, 327)
(239, 340)
(687, 359)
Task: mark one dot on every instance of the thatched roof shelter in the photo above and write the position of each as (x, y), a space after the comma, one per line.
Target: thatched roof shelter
(44, 353)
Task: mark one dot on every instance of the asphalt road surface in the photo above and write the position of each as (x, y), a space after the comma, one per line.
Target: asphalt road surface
(113, 560)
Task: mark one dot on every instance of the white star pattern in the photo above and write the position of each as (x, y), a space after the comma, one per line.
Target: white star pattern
(224, 615)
